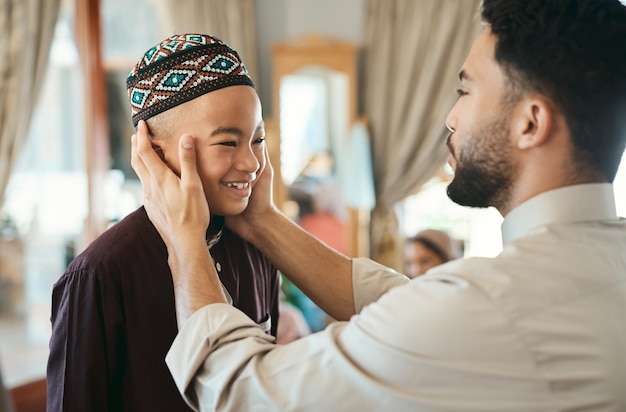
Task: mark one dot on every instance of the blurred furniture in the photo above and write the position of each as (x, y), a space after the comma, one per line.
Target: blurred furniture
(29, 397)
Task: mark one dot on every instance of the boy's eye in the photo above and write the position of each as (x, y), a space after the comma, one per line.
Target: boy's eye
(260, 140)
(230, 144)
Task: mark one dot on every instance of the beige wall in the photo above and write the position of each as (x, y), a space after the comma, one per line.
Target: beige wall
(280, 20)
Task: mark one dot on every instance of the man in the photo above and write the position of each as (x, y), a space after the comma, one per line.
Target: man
(537, 132)
(113, 314)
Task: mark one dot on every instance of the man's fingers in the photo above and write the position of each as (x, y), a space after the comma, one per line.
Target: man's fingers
(188, 166)
(187, 154)
(268, 164)
(135, 160)
(148, 162)
(266, 177)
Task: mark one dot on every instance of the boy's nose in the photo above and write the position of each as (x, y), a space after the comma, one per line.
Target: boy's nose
(247, 161)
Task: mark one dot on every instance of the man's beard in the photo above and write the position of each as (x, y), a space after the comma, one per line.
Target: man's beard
(485, 169)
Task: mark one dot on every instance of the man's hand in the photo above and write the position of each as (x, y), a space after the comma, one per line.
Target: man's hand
(320, 272)
(179, 210)
(260, 205)
(176, 206)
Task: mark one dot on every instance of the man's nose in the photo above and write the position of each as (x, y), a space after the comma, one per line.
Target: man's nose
(449, 123)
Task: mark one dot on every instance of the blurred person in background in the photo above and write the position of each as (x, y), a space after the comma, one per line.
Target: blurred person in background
(427, 249)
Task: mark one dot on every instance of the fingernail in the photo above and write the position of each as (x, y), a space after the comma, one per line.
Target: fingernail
(186, 142)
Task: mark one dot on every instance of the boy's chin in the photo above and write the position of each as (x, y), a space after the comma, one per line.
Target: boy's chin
(228, 210)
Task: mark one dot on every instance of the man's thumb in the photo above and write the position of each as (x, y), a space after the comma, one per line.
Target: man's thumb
(187, 155)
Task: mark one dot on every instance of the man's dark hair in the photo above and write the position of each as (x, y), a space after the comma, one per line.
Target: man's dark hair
(574, 53)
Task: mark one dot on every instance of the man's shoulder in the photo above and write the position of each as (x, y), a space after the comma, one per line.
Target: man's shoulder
(544, 270)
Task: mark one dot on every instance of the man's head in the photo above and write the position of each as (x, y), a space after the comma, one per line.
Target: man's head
(197, 85)
(542, 69)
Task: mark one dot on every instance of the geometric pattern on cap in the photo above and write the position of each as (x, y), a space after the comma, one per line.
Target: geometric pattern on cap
(179, 69)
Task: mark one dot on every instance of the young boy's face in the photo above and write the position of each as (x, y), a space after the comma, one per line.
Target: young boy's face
(229, 135)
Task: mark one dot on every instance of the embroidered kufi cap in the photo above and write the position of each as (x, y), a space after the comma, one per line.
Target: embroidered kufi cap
(181, 68)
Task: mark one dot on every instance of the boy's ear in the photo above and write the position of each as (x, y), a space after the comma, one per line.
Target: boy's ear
(157, 146)
(159, 150)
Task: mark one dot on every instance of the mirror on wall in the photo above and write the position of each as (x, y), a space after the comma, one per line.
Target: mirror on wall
(313, 121)
(315, 104)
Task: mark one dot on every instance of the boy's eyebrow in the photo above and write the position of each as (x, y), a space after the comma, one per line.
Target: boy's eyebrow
(227, 130)
(234, 130)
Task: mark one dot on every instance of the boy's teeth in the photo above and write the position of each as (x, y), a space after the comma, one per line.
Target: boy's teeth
(238, 185)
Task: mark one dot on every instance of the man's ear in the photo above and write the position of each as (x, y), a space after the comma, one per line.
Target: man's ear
(533, 123)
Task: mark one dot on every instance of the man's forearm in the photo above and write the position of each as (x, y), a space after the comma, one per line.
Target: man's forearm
(322, 273)
(196, 283)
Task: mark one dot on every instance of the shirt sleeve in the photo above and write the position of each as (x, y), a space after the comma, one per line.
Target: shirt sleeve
(86, 346)
(421, 346)
(371, 280)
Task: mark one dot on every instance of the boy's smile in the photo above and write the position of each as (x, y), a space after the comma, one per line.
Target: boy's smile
(227, 126)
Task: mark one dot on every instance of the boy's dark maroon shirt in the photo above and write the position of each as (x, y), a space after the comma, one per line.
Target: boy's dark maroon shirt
(113, 317)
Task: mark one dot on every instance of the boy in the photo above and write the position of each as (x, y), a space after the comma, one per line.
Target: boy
(113, 314)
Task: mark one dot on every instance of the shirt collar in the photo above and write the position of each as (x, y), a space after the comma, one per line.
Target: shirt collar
(215, 230)
(578, 203)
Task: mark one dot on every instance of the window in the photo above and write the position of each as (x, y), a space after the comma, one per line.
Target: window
(42, 220)
(44, 210)
(430, 208)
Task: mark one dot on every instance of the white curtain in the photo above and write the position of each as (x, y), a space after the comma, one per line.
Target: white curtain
(414, 50)
(232, 21)
(26, 32)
